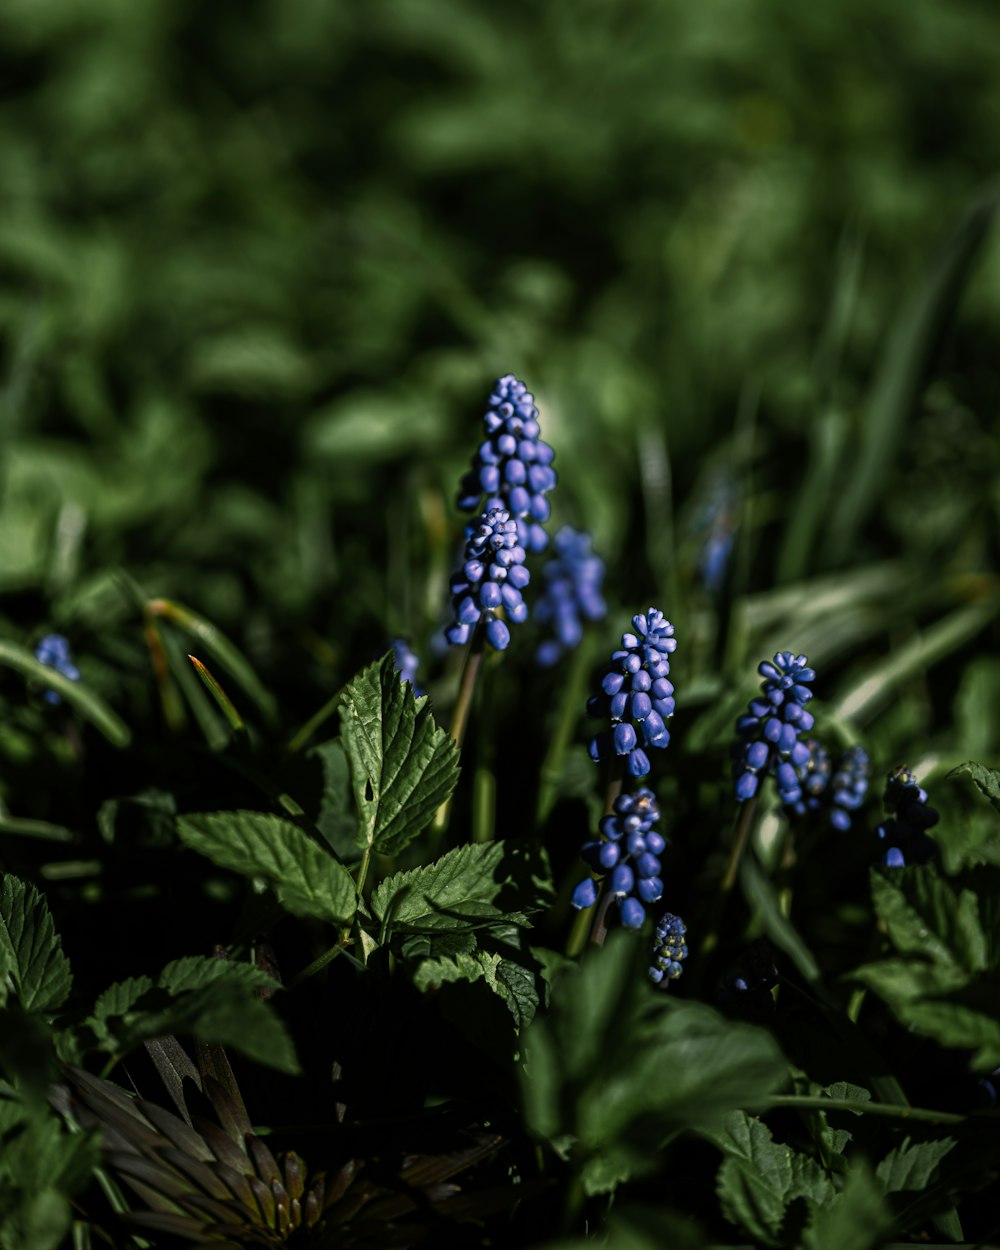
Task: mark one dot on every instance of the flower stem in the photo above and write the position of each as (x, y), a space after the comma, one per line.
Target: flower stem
(744, 824)
(569, 709)
(460, 720)
(597, 911)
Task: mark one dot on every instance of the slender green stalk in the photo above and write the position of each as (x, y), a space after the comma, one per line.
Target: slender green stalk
(313, 723)
(214, 688)
(888, 1110)
(573, 689)
(460, 719)
(744, 824)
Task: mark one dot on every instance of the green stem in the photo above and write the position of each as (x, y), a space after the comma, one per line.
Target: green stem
(574, 688)
(597, 911)
(888, 1110)
(600, 929)
(467, 685)
(460, 721)
(317, 965)
(744, 824)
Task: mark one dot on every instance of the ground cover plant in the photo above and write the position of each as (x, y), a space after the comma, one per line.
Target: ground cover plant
(498, 696)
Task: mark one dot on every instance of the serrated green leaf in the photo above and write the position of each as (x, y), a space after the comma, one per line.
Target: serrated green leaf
(987, 780)
(117, 1000)
(32, 963)
(912, 1165)
(403, 766)
(615, 1066)
(336, 818)
(306, 878)
(431, 973)
(759, 1178)
(193, 972)
(856, 1217)
(212, 1000)
(459, 885)
(926, 916)
(516, 986)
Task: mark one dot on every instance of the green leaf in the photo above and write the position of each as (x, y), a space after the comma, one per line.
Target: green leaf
(41, 1167)
(856, 1217)
(986, 780)
(306, 878)
(431, 973)
(452, 893)
(759, 1178)
(403, 767)
(32, 963)
(76, 693)
(926, 916)
(912, 1165)
(336, 818)
(517, 986)
(614, 1066)
(213, 1000)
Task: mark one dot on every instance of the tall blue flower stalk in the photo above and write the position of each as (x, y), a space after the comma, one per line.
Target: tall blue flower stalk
(636, 694)
(669, 949)
(570, 596)
(512, 467)
(492, 577)
(833, 793)
(769, 731)
(625, 858)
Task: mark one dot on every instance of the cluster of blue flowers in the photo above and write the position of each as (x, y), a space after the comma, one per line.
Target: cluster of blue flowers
(628, 849)
(513, 467)
(636, 694)
(904, 831)
(572, 594)
(669, 948)
(406, 664)
(771, 727)
(492, 577)
(53, 650)
(835, 794)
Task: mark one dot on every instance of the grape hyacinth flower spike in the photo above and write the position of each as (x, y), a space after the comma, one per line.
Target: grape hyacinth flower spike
(492, 577)
(572, 594)
(627, 852)
(910, 816)
(512, 467)
(53, 650)
(771, 727)
(833, 793)
(669, 948)
(636, 694)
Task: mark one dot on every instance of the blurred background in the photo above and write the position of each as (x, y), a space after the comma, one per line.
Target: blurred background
(260, 263)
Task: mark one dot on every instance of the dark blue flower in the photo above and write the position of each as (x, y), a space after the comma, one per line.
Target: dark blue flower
(512, 467)
(833, 794)
(909, 816)
(572, 594)
(406, 664)
(636, 694)
(492, 577)
(849, 786)
(53, 650)
(627, 852)
(669, 948)
(771, 727)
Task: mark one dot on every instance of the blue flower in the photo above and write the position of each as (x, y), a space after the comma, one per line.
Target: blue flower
(492, 577)
(834, 794)
(53, 650)
(636, 694)
(512, 467)
(909, 817)
(627, 853)
(406, 664)
(771, 727)
(572, 594)
(669, 948)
